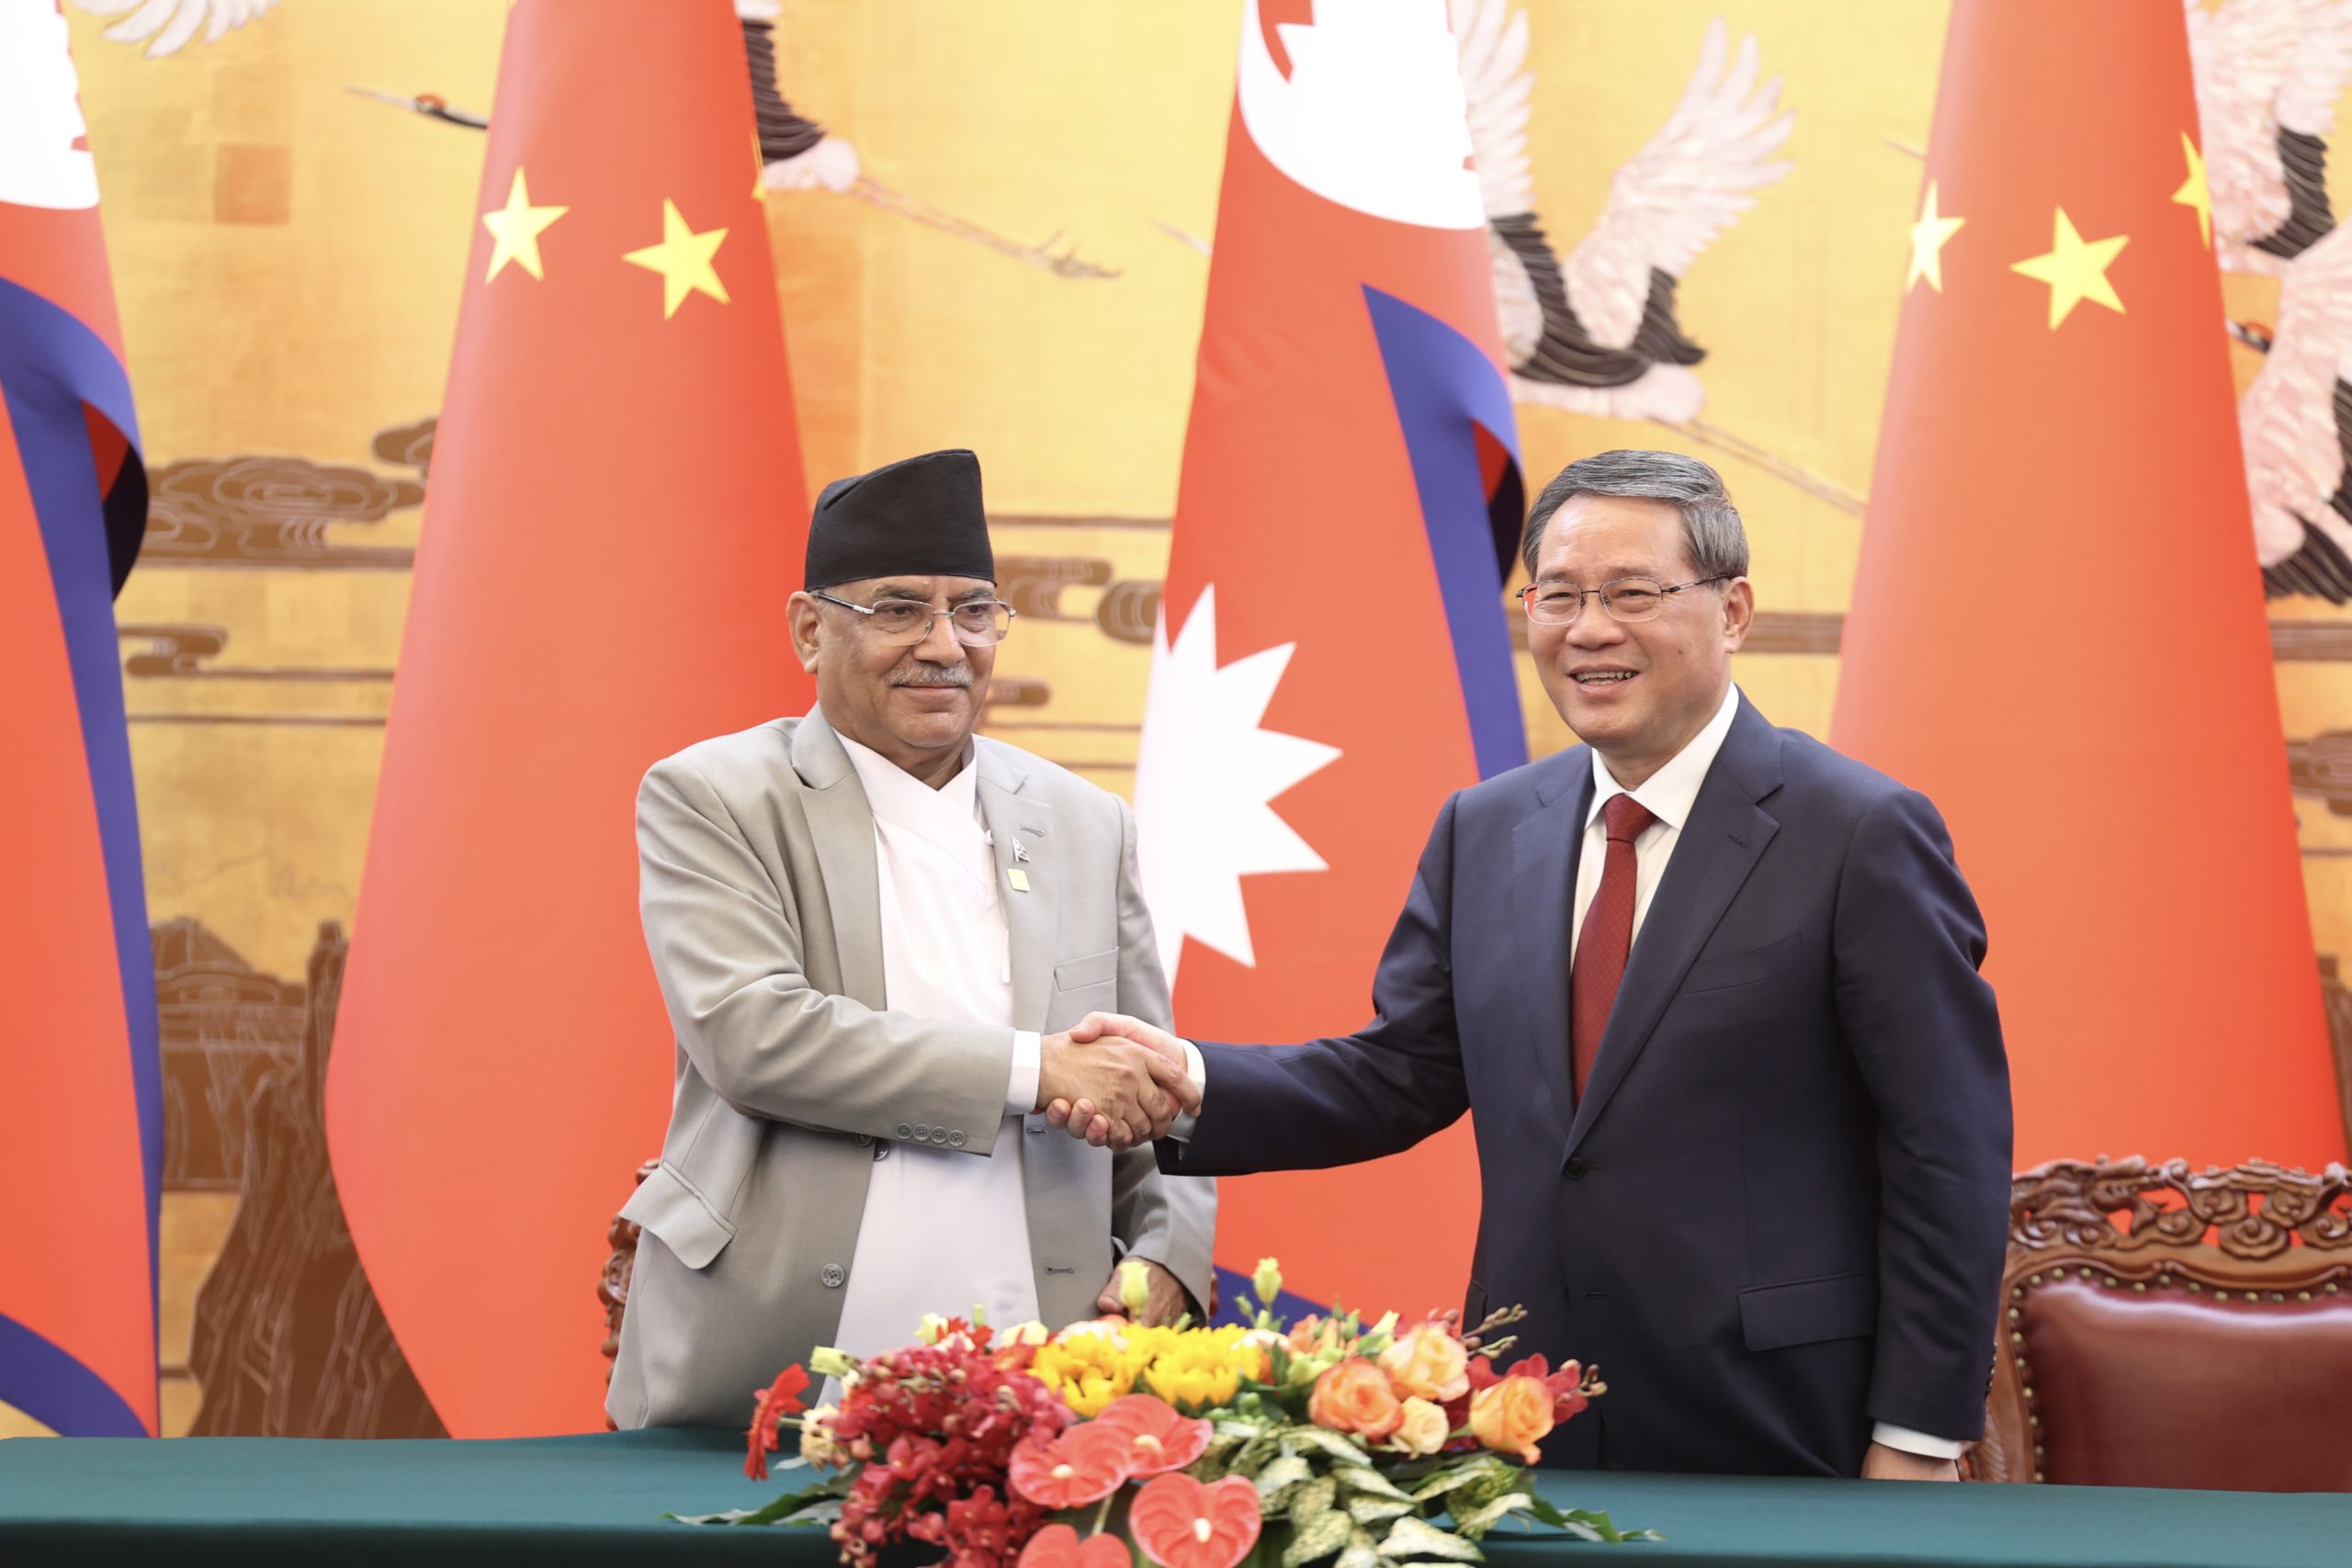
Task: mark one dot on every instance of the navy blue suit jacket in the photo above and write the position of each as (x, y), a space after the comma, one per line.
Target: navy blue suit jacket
(1778, 1213)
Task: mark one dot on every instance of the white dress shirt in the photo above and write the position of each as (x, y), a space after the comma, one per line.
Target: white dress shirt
(944, 1231)
(1668, 793)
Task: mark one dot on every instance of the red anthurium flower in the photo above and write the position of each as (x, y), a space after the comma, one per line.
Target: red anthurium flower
(1181, 1524)
(1085, 1464)
(1058, 1545)
(1159, 1439)
(779, 1399)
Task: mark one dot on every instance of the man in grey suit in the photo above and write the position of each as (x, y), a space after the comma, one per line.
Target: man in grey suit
(873, 930)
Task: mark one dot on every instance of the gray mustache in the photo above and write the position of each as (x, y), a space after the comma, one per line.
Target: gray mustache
(933, 676)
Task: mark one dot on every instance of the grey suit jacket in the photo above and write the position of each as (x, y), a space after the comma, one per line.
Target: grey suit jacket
(757, 887)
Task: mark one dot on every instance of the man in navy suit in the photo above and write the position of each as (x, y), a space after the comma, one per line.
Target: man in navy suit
(1709, 992)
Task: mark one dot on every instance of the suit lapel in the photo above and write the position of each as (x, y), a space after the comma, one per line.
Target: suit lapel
(1022, 825)
(841, 825)
(1718, 847)
(1545, 846)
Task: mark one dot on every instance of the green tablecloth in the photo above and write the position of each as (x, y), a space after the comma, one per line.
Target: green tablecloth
(578, 1501)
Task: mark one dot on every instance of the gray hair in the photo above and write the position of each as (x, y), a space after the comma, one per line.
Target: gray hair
(1711, 528)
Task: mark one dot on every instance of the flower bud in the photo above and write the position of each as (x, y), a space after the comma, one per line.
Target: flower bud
(1134, 1286)
(1267, 1282)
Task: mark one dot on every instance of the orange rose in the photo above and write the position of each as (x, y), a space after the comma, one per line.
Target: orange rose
(1424, 1428)
(1353, 1395)
(1428, 1363)
(1306, 1334)
(1511, 1415)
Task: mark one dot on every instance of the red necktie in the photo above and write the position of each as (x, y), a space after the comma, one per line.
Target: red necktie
(1608, 936)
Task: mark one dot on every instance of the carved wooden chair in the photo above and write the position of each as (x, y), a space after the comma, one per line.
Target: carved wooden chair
(612, 1291)
(2164, 1328)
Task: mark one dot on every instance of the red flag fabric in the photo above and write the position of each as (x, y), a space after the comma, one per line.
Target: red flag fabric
(2058, 627)
(1332, 658)
(80, 1088)
(614, 518)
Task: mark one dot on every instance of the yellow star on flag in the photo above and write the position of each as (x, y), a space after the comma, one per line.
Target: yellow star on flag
(1927, 237)
(683, 258)
(2194, 192)
(515, 230)
(2075, 269)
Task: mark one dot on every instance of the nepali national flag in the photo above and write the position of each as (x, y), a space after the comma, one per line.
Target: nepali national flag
(1332, 658)
(614, 518)
(81, 1095)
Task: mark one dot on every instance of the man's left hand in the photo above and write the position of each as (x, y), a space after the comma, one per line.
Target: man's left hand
(1884, 1463)
(1166, 1303)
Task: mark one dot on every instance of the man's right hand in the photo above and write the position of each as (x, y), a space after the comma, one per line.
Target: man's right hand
(1087, 1120)
(1131, 1092)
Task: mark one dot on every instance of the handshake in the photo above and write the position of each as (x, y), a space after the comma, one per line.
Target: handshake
(1114, 1080)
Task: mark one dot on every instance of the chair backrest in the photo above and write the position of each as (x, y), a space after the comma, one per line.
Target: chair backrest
(2162, 1328)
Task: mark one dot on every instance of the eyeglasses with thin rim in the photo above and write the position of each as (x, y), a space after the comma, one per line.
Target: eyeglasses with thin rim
(1626, 598)
(977, 622)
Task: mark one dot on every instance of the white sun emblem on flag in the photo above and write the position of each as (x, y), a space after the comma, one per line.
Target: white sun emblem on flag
(1206, 781)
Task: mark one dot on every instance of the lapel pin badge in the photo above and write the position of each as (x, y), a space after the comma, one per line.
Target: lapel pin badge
(1020, 851)
(1018, 878)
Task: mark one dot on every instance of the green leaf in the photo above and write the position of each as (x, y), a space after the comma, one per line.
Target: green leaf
(1417, 1538)
(1339, 1448)
(1317, 1538)
(1368, 1482)
(783, 1508)
(1585, 1524)
(1360, 1552)
(1448, 1479)
(1376, 1510)
(1315, 1497)
(1475, 1524)
(1282, 1475)
(1230, 1430)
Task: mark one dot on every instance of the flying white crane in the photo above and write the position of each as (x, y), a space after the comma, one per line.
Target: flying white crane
(1598, 335)
(2268, 74)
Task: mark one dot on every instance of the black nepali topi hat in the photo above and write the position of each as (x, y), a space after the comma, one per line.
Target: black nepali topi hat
(917, 517)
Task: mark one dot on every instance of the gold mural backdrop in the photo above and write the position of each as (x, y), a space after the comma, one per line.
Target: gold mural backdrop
(1015, 262)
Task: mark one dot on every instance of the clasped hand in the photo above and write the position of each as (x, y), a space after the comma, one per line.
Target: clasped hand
(1114, 1081)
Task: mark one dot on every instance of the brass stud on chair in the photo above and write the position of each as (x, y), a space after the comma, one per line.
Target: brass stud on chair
(2140, 1286)
(2033, 1279)
(2278, 1296)
(2113, 1281)
(2302, 1295)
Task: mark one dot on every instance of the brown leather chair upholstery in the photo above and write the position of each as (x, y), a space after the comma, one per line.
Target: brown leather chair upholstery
(2161, 1328)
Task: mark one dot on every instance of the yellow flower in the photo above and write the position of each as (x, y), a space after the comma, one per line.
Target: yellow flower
(1089, 1370)
(1203, 1367)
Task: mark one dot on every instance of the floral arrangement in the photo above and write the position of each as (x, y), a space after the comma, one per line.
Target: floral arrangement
(1323, 1440)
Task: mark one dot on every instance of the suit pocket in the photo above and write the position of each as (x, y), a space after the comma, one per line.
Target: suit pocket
(1803, 1312)
(1094, 970)
(671, 1208)
(1744, 968)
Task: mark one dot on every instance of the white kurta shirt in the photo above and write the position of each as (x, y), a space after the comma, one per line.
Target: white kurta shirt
(944, 1230)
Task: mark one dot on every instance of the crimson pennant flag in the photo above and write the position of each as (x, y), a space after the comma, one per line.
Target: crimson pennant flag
(615, 517)
(2058, 629)
(1332, 658)
(81, 1082)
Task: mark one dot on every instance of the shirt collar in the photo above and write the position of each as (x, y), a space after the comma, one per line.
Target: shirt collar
(1670, 793)
(898, 797)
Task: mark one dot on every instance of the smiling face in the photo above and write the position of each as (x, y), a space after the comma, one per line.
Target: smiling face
(1637, 693)
(915, 703)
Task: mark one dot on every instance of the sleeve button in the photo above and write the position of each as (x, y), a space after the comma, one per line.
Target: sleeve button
(905, 1130)
(832, 1274)
(956, 1140)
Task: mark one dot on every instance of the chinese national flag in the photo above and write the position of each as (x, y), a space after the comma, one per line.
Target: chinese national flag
(2058, 627)
(614, 518)
(1332, 658)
